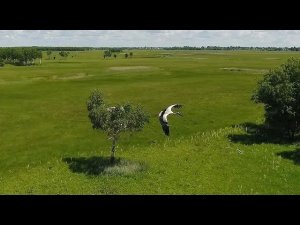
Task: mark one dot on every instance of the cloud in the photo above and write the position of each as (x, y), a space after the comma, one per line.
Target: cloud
(155, 38)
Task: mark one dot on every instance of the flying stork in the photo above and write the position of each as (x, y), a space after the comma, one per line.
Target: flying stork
(163, 117)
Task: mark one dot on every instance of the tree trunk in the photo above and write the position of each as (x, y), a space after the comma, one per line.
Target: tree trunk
(112, 157)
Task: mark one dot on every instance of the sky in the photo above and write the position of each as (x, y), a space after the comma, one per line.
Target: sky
(150, 38)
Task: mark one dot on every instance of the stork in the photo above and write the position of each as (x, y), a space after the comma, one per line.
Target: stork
(163, 117)
(110, 109)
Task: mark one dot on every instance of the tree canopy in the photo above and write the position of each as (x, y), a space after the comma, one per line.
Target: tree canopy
(115, 119)
(64, 54)
(19, 56)
(279, 91)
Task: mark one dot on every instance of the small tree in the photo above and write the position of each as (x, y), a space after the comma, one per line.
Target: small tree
(106, 53)
(64, 54)
(49, 52)
(115, 56)
(1, 62)
(279, 91)
(114, 120)
(130, 54)
(126, 55)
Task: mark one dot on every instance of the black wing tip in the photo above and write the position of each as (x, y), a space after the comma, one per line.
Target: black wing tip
(178, 105)
(166, 130)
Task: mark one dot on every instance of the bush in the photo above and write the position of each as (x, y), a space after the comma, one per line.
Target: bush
(279, 91)
(1, 63)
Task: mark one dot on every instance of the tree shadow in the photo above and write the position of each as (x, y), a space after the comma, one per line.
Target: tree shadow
(258, 134)
(90, 165)
(291, 155)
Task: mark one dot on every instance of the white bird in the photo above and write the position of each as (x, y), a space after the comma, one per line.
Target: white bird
(163, 117)
(110, 109)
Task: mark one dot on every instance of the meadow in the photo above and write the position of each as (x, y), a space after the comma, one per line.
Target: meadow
(48, 146)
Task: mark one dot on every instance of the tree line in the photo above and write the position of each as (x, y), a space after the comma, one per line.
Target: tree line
(121, 49)
(78, 48)
(233, 48)
(19, 56)
(109, 53)
(64, 48)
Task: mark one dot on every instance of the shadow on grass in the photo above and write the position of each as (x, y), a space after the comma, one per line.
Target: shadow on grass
(102, 165)
(258, 134)
(92, 165)
(291, 155)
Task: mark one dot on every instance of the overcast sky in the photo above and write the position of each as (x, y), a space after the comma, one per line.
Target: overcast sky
(150, 38)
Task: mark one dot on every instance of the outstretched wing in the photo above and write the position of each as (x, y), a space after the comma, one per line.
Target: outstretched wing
(177, 106)
(164, 126)
(163, 118)
(166, 129)
(169, 109)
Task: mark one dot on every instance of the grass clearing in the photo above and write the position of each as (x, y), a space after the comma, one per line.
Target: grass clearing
(125, 68)
(48, 146)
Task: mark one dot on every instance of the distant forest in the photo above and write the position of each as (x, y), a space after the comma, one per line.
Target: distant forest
(120, 49)
(234, 48)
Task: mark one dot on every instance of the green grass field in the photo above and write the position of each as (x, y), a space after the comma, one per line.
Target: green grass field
(49, 147)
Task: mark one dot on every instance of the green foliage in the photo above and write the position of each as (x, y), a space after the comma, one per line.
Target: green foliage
(1, 63)
(107, 53)
(95, 100)
(279, 91)
(49, 52)
(115, 50)
(126, 55)
(64, 54)
(20, 56)
(116, 119)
